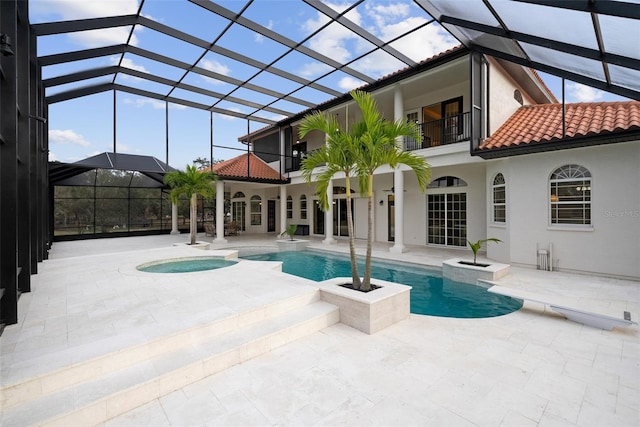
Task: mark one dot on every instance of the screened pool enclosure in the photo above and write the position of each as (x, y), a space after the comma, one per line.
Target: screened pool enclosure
(115, 195)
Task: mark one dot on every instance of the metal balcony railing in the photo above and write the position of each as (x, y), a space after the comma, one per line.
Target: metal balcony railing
(448, 130)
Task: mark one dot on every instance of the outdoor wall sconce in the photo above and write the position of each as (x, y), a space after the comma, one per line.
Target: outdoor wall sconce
(5, 45)
(381, 202)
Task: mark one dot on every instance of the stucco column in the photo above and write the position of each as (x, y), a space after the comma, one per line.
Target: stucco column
(398, 179)
(220, 213)
(328, 217)
(283, 208)
(174, 219)
(398, 193)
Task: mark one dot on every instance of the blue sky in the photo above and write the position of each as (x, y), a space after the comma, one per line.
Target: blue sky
(83, 127)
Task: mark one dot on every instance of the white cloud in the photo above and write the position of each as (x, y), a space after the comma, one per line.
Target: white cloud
(67, 136)
(228, 117)
(313, 69)
(128, 62)
(582, 93)
(105, 37)
(349, 83)
(122, 148)
(386, 22)
(84, 9)
(215, 67)
(154, 103)
(259, 38)
(53, 157)
(332, 41)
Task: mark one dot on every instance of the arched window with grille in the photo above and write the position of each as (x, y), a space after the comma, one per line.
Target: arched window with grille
(499, 201)
(570, 196)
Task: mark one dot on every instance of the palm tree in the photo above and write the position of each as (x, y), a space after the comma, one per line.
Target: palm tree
(369, 144)
(379, 145)
(338, 156)
(191, 184)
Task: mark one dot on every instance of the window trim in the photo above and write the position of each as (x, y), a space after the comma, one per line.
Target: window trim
(494, 204)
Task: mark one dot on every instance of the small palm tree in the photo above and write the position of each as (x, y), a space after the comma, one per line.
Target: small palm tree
(337, 155)
(191, 184)
(475, 246)
(289, 231)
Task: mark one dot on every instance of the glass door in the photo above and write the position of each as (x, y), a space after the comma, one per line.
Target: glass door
(340, 224)
(447, 219)
(391, 214)
(318, 218)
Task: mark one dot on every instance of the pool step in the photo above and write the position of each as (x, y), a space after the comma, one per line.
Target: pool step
(96, 390)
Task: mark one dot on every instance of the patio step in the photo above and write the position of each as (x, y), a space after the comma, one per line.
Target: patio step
(97, 390)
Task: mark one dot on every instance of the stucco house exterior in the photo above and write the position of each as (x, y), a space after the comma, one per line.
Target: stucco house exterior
(558, 184)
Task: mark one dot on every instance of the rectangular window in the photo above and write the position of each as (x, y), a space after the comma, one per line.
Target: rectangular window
(571, 202)
(256, 212)
(303, 207)
(499, 204)
(289, 207)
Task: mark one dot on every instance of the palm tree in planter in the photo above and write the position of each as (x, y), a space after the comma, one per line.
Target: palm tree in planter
(369, 144)
(379, 145)
(191, 184)
(337, 155)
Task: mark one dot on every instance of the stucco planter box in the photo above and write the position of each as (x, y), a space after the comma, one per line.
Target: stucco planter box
(461, 270)
(292, 245)
(368, 312)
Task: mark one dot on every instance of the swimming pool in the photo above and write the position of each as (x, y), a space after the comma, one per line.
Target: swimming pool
(185, 265)
(430, 293)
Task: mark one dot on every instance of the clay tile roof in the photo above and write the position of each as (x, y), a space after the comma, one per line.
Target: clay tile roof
(534, 124)
(236, 168)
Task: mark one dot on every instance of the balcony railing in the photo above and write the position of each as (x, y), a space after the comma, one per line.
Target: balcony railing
(448, 130)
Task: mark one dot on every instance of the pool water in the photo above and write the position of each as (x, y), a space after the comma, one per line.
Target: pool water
(185, 265)
(430, 293)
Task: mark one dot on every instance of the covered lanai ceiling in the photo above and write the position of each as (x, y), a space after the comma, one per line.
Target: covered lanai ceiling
(588, 41)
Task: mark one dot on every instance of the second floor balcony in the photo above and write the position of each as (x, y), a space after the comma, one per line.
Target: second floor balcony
(448, 130)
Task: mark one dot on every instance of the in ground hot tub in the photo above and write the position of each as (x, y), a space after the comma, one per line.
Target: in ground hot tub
(185, 265)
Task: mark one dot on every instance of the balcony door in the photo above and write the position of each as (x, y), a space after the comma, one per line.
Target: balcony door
(442, 122)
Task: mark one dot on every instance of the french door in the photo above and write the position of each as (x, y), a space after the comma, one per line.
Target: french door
(340, 223)
(447, 219)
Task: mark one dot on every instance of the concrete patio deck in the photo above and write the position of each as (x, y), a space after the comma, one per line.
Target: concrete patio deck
(528, 368)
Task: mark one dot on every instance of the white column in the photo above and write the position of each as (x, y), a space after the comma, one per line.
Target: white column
(283, 208)
(220, 213)
(398, 180)
(328, 217)
(282, 151)
(174, 219)
(398, 192)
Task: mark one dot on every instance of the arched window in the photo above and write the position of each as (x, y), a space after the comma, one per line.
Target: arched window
(303, 207)
(256, 210)
(499, 199)
(448, 181)
(289, 207)
(239, 195)
(570, 195)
